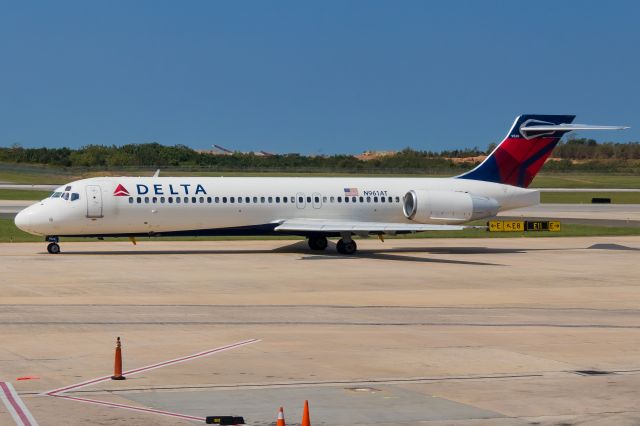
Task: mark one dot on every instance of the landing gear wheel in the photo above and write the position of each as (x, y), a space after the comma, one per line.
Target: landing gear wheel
(318, 242)
(53, 248)
(346, 247)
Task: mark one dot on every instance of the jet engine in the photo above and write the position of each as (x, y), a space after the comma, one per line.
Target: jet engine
(447, 206)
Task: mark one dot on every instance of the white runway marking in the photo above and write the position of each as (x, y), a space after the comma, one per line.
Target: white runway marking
(153, 366)
(131, 407)
(59, 393)
(20, 413)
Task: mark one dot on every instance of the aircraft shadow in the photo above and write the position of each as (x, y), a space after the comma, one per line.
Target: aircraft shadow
(300, 247)
(377, 255)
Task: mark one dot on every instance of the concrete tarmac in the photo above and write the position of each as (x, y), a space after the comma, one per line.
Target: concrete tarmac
(452, 331)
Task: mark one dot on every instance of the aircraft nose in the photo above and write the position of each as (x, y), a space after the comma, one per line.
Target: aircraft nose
(23, 219)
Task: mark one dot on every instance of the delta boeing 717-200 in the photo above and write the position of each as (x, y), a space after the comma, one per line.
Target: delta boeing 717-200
(316, 208)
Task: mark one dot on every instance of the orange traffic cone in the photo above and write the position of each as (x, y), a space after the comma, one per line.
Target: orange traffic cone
(280, 421)
(305, 414)
(117, 366)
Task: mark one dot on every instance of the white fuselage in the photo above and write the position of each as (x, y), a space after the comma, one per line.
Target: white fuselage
(145, 205)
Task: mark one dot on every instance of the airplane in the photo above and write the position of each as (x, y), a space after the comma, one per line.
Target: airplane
(315, 208)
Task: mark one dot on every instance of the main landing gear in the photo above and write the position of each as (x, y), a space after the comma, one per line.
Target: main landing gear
(318, 242)
(346, 247)
(53, 247)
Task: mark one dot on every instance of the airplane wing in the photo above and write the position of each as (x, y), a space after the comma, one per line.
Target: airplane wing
(322, 225)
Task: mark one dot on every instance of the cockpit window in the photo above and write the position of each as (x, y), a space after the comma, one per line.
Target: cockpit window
(75, 196)
(65, 195)
(68, 188)
(56, 195)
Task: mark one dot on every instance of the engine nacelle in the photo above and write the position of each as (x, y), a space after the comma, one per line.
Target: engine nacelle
(447, 206)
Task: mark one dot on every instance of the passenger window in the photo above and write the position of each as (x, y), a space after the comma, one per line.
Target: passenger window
(353, 199)
(139, 200)
(170, 200)
(193, 200)
(308, 199)
(201, 199)
(362, 199)
(162, 200)
(146, 200)
(324, 199)
(224, 200)
(285, 199)
(130, 200)
(217, 200)
(277, 199)
(247, 200)
(270, 200)
(209, 200)
(185, 200)
(368, 199)
(155, 200)
(255, 200)
(300, 200)
(339, 199)
(75, 196)
(232, 199)
(375, 199)
(397, 199)
(177, 200)
(262, 199)
(346, 199)
(332, 199)
(316, 199)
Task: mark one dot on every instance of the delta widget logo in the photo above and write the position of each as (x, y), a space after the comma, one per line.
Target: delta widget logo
(121, 191)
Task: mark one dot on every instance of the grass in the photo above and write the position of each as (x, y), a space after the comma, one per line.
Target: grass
(583, 180)
(585, 197)
(22, 194)
(9, 233)
(31, 174)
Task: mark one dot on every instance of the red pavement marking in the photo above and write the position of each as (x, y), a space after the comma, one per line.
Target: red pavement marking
(17, 405)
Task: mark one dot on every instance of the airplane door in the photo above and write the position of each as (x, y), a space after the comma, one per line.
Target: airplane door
(300, 201)
(316, 200)
(94, 201)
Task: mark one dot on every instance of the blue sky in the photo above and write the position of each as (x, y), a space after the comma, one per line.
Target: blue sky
(312, 77)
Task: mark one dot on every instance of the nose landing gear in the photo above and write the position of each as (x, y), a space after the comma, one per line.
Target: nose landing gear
(53, 247)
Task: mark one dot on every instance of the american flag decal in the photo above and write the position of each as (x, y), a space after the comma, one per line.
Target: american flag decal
(351, 192)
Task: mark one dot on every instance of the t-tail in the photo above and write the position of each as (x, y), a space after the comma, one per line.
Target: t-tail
(521, 154)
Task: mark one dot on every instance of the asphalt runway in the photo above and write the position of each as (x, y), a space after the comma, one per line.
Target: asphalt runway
(452, 331)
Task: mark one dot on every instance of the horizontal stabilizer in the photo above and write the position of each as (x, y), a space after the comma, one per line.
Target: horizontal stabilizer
(570, 127)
